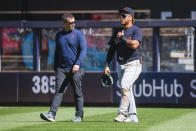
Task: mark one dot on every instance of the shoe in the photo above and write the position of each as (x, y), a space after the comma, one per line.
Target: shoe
(131, 118)
(120, 118)
(77, 119)
(48, 116)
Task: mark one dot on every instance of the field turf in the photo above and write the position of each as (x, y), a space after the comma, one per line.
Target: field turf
(97, 119)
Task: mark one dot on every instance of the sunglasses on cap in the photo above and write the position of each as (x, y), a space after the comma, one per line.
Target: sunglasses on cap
(122, 16)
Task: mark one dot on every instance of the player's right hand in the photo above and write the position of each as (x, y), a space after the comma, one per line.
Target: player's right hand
(106, 70)
(119, 34)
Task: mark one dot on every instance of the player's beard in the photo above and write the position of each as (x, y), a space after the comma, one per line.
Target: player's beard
(124, 22)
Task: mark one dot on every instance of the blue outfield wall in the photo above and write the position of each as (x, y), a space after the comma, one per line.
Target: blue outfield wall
(170, 88)
(151, 87)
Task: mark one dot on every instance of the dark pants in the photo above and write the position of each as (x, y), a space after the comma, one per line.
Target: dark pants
(63, 78)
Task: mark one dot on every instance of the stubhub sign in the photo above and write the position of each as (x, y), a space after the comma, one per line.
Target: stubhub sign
(151, 87)
(162, 88)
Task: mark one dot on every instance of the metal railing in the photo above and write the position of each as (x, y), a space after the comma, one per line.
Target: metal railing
(155, 24)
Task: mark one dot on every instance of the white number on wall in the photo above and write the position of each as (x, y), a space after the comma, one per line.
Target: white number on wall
(43, 84)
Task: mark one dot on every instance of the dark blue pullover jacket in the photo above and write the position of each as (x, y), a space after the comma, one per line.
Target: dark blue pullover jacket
(70, 49)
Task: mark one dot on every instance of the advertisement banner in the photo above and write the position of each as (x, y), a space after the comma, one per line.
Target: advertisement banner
(158, 88)
(177, 88)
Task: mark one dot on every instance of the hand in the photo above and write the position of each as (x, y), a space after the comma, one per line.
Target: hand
(106, 70)
(75, 68)
(119, 34)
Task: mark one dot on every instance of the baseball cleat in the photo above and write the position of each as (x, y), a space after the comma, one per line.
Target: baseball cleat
(48, 117)
(131, 118)
(120, 118)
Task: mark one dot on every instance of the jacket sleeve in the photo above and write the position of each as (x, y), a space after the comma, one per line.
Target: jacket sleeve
(55, 55)
(83, 48)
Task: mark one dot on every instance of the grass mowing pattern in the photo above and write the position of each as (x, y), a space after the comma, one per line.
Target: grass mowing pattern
(97, 119)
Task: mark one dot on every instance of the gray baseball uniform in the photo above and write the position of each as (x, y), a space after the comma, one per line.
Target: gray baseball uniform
(130, 67)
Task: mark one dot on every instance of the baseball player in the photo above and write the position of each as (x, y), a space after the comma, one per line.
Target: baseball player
(125, 42)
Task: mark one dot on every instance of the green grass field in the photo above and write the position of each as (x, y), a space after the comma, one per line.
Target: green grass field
(97, 119)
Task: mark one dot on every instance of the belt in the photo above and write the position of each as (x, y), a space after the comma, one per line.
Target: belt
(124, 62)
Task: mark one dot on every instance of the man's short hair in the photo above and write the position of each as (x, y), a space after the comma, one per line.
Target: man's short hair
(65, 16)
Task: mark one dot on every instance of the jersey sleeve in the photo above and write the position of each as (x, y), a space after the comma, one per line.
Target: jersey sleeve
(137, 35)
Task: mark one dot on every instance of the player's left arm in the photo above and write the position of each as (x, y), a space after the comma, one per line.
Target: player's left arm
(134, 41)
(134, 44)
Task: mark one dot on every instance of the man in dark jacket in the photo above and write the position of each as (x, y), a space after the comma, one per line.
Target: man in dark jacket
(69, 54)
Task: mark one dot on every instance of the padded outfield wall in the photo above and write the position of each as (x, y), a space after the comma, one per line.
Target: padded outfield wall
(156, 88)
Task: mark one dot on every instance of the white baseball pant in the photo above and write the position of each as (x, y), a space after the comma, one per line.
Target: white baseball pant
(128, 74)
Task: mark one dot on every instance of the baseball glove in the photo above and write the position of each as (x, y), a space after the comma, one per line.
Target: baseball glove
(106, 80)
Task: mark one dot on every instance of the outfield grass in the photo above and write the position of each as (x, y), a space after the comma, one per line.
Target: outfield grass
(97, 119)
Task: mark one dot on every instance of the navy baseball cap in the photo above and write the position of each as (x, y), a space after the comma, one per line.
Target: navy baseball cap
(127, 10)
